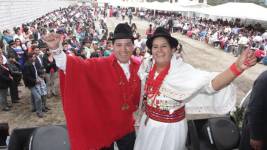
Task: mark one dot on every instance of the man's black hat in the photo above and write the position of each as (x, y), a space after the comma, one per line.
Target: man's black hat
(162, 32)
(122, 31)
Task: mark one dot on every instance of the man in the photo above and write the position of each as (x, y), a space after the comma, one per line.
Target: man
(31, 80)
(39, 60)
(100, 94)
(130, 15)
(41, 73)
(254, 132)
(16, 73)
(242, 44)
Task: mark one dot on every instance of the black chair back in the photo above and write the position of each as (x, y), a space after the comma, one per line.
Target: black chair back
(212, 134)
(19, 138)
(49, 138)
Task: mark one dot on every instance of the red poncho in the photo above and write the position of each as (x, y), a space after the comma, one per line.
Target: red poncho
(94, 92)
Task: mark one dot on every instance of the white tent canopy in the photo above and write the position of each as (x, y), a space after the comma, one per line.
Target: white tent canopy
(163, 6)
(237, 10)
(248, 11)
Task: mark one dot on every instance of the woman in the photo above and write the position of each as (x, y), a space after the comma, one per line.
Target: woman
(170, 85)
(19, 52)
(149, 31)
(137, 54)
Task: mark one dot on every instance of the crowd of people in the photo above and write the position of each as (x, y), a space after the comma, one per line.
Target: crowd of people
(230, 35)
(233, 36)
(26, 57)
(40, 50)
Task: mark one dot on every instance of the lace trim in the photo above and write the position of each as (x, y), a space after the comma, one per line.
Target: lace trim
(181, 96)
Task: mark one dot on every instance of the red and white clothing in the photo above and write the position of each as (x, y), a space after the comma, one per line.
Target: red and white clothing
(94, 94)
(183, 86)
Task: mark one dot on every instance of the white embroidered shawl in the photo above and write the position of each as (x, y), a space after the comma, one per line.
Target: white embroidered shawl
(192, 87)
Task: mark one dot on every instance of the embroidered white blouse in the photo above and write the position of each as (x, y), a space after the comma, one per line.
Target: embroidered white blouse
(184, 85)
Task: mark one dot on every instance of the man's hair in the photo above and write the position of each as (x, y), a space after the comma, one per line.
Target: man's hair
(30, 55)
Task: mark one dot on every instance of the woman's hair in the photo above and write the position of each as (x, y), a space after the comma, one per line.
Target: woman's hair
(150, 28)
(94, 54)
(169, 42)
(134, 51)
(178, 49)
(86, 40)
(17, 39)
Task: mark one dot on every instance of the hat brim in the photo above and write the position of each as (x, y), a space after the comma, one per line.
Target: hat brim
(173, 42)
(123, 36)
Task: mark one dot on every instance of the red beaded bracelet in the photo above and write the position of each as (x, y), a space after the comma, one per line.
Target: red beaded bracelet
(235, 70)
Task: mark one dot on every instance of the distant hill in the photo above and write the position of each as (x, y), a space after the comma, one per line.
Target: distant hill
(218, 2)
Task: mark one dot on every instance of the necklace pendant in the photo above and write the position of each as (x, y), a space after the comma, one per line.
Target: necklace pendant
(125, 106)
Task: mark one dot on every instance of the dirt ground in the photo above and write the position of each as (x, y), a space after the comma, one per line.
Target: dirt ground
(197, 53)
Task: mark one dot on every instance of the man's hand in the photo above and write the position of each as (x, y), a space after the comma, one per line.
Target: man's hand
(256, 144)
(52, 40)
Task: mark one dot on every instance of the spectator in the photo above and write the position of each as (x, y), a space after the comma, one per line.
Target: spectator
(5, 81)
(137, 54)
(17, 50)
(16, 73)
(149, 31)
(254, 131)
(51, 74)
(32, 80)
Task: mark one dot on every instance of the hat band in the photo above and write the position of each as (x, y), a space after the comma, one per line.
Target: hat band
(122, 36)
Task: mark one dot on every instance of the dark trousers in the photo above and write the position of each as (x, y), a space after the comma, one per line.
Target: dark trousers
(245, 137)
(14, 94)
(125, 143)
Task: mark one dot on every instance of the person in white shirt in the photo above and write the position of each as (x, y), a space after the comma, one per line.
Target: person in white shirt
(242, 44)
